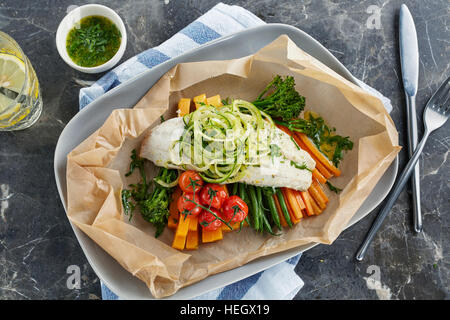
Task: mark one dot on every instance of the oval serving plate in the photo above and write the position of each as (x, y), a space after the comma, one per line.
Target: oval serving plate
(126, 95)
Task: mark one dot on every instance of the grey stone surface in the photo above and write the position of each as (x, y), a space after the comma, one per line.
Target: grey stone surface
(37, 243)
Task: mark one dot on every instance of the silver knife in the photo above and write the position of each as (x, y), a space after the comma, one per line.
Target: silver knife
(409, 58)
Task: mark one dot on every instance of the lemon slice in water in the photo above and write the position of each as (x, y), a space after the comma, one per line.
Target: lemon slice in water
(12, 72)
(12, 76)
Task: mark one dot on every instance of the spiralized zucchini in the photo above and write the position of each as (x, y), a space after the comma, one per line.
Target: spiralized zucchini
(219, 143)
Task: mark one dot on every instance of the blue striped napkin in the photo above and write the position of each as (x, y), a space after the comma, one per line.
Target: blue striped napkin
(278, 282)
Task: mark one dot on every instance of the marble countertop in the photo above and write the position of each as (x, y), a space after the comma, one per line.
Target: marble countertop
(37, 244)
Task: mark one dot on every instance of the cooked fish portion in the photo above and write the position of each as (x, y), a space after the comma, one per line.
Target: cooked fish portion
(156, 146)
(282, 174)
(288, 167)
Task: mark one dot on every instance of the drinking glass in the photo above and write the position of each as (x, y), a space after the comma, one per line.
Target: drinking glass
(20, 96)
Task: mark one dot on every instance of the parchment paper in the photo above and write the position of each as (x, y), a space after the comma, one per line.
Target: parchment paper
(96, 168)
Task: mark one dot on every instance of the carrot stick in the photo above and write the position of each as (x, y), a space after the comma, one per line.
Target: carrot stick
(317, 197)
(316, 174)
(199, 100)
(192, 240)
(280, 212)
(211, 236)
(318, 154)
(180, 234)
(173, 207)
(307, 200)
(294, 208)
(226, 229)
(184, 105)
(214, 101)
(193, 225)
(172, 222)
(320, 167)
(299, 200)
(320, 190)
(235, 226)
(290, 207)
(316, 208)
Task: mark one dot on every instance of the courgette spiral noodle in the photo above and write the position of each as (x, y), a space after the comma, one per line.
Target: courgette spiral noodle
(219, 143)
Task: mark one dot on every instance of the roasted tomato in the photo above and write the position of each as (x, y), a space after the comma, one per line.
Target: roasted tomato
(208, 221)
(185, 204)
(234, 209)
(188, 179)
(216, 192)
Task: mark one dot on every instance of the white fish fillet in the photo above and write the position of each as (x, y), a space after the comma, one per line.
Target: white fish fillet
(278, 171)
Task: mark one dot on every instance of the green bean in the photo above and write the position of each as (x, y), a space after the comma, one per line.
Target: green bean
(248, 220)
(254, 207)
(284, 207)
(273, 211)
(242, 192)
(234, 189)
(243, 195)
(267, 225)
(262, 214)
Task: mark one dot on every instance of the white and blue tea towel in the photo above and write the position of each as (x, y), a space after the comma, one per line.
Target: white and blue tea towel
(279, 281)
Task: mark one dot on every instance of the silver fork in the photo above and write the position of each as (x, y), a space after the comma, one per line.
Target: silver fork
(435, 115)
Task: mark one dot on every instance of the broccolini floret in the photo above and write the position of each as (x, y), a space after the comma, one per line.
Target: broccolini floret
(280, 99)
(154, 206)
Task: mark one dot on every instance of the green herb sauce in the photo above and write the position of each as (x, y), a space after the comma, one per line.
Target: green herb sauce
(93, 41)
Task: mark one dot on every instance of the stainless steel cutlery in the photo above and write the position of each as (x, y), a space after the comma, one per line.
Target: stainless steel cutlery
(435, 115)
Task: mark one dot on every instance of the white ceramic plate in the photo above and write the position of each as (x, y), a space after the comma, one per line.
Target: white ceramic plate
(129, 93)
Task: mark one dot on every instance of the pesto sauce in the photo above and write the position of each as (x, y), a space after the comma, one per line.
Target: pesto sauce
(93, 41)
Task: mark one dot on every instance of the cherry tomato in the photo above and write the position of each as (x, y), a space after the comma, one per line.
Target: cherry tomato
(234, 209)
(208, 221)
(185, 204)
(188, 179)
(218, 193)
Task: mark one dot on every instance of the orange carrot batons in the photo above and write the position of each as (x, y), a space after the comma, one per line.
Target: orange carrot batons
(173, 207)
(211, 236)
(317, 210)
(181, 232)
(192, 240)
(317, 197)
(172, 222)
(318, 176)
(295, 210)
(199, 100)
(307, 200)
(299, 200)
(320, 190)
(320, 156)
(184, 107)
(214, 101)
